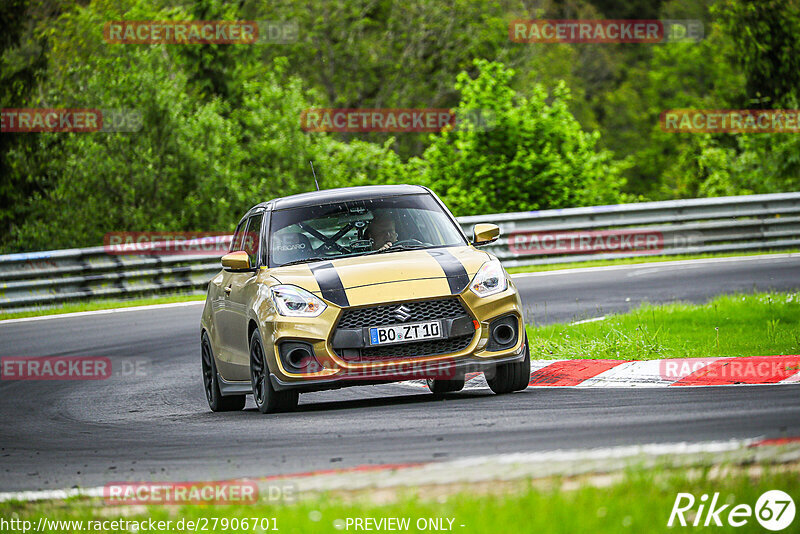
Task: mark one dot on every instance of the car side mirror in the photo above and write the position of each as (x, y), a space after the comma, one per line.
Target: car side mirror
(484, 233)
(236, 261)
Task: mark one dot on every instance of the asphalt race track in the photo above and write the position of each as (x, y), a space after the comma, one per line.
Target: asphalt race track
(561, 296)
(152, 422)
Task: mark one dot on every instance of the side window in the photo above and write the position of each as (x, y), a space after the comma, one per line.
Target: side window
(236, 241)
(252, 237)
(290, 244)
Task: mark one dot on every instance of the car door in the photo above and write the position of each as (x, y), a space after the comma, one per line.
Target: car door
(219, 300)
(239, 288)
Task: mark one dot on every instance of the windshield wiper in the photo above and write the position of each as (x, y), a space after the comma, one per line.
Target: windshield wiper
(395, 248)
(308, 260)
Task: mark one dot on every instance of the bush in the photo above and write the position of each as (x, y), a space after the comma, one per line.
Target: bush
(534, 156)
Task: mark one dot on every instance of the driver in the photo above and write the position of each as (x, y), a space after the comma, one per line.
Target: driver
(382, 230)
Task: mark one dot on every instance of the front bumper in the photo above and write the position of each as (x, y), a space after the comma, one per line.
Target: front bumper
(458, 368)
(332, 370)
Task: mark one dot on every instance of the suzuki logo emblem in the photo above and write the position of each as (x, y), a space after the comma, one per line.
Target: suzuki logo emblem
(402, 314)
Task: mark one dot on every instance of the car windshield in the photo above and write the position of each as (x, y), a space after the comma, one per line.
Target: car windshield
(360, 227)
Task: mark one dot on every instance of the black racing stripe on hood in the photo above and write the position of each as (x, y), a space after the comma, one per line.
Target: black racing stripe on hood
(329, 283)
(454, 270)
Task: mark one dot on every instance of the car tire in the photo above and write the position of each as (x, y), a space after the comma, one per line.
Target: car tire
(267, 399)
(216, 401)
(439, 386)
(513, 376)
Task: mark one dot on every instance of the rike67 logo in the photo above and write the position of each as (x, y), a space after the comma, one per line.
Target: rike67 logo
(774, 510)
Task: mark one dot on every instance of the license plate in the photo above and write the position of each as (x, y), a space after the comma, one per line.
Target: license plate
(384, 335)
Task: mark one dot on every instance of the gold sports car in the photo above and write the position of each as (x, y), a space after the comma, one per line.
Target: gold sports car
(360, 285)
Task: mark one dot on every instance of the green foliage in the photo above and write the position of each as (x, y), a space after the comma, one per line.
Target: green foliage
(743, 62)
(23, 52)
(222, 131)
(611, 494)
(766, 40)
(758, 163)
(766, 36)
(388, 53)
(531, 155)
(196, 163)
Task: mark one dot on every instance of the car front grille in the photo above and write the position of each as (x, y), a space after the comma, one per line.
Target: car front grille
(432, 347)
(384, 315)
(427, 310)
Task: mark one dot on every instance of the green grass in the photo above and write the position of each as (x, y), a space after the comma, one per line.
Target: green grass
(92, 305)
(640, 501)
(758, 324)
(643, 259)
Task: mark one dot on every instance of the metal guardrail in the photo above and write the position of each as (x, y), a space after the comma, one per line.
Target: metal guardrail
(695, 226)
(711, 225)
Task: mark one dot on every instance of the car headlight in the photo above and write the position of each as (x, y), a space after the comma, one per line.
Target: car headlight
(489, 280)
(293, 301)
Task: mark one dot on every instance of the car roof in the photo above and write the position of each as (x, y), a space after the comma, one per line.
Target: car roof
(330, 196)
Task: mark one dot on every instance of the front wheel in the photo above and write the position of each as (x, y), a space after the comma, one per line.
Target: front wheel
(513, 376)
(267, 399)
(216, 401)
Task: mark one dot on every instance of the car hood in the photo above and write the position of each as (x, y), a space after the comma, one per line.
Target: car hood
(393, 276)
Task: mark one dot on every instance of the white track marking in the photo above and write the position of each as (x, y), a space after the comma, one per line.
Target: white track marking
(476, 383)
(101, 312)
(41, 495)
(578, 455)
(541, 364)
(592, 320)
(647, 373)
(628, 374)
(794, 379)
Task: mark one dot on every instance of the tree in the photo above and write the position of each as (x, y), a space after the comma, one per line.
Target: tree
(533, 156)
(766, 42)
(195, 165)
(766, 37)
(24, 48)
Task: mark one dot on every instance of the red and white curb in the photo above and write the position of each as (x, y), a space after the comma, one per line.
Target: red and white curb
(679, 372)
(501, 467)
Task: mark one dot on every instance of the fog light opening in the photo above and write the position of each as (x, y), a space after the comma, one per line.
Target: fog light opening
(299, 358)
(503, 334)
